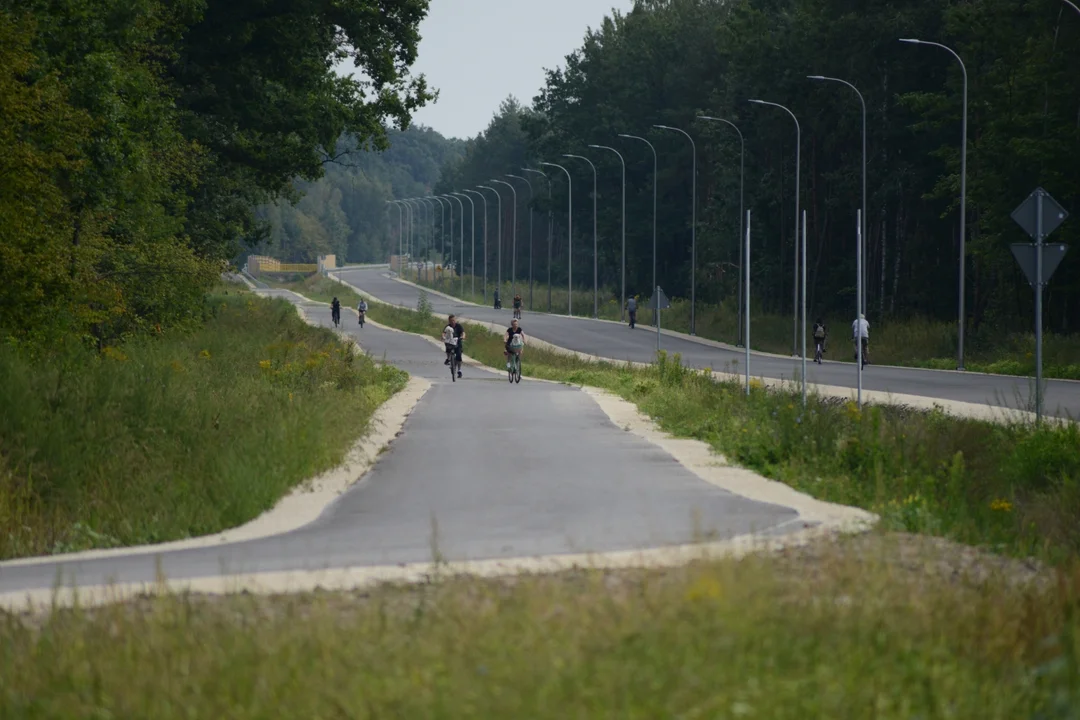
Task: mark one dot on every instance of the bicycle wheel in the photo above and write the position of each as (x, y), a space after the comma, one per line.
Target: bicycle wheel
(453, 367)
(517, 371)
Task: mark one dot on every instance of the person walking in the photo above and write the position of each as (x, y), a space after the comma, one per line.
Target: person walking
(860, 332)
(631, 308)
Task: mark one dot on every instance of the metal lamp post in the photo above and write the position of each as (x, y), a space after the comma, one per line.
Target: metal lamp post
(541, 172)
(531, 213)
(569, 242)
(742, 229)
(461, 239)
(400, 222)
(498, 225)
(862, 225)
(442, 227)
(513, 244)
(472, 228)
(623, 162)
(595, 261)
(430, 205)
(483, 197)
(654, 285)
(963, 194)
(798, 156)
(693, 225)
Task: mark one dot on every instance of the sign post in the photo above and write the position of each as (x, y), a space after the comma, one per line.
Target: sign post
(1039, 215)
(659, 302)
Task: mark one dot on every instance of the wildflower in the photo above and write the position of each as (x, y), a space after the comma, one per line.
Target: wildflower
(264, 364)
(704, 588)
(176, 366)
(1000, 505)
(204, 354)
(790, 406)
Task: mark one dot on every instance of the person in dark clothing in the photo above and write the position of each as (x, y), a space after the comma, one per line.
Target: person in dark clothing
(459, 333)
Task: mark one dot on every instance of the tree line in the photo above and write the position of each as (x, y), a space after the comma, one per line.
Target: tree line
(671, 61)
(137, 138)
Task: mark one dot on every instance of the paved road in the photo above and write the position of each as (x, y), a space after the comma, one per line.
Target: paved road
(503, 471)
(619, 342)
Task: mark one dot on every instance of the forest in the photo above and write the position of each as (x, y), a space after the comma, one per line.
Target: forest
(138, 138)
(669, 62)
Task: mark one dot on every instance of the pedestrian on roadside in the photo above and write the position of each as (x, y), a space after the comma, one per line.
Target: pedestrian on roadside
(631, 307)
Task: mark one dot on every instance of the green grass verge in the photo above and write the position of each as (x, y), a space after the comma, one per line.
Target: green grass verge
(176, 436)
(1011, 487)
(910, 343)
(838, 634)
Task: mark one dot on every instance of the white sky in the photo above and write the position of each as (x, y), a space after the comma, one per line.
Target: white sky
(477, 52)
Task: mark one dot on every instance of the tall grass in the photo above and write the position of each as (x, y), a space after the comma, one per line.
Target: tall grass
(911, 343)
(828, 636)
(1011, 487)
(175, 436)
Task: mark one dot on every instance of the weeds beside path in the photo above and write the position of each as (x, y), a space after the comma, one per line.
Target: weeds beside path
(832, 631)
(177, 436)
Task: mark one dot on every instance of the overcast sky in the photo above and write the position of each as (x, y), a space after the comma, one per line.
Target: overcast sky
(477, 52)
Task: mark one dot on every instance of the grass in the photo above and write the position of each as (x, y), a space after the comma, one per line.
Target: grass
(1013, 487)
(838, 633)
(910, 343)
(176, 436)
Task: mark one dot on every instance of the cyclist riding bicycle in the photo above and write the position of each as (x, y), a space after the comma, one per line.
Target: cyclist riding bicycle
(517, 306)
(514, 341)
(450, 340)
(820, 334)
(335, 311)
(459, 340)
(361, 309)
(860, 333)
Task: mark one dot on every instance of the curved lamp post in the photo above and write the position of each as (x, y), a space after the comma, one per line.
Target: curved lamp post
(483, 197)
(693, 225)
(654, 285)
(963, 194)
(622, 161)
(472, 262)
(498, 225)
(541, 172)
(742, 223)
(595, 274)
(531, 213)
(513, 243)
(569, 241)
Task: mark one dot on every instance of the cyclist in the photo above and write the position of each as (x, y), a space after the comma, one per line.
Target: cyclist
(498, 300)
(459, 340)
(335, 311)
(361, 309)
(450, 340)
(631, 307)
(514, 329)
(820, 333)
(517, 306)
(860, 333)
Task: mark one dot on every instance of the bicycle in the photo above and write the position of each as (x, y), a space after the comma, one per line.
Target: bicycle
(517, 313)
(514, 372)
(335, 315)
(362, 314)
(819, 348)
(451, 354)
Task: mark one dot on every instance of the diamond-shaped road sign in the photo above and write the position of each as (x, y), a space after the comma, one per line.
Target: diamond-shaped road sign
(659, 295)
(1052, 213)
(1025, 255)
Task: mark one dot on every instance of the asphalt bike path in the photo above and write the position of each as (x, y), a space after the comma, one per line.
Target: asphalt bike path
(619, 342)
(482, 470)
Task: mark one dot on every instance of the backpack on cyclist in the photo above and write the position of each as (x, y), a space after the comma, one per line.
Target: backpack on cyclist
(819, 332)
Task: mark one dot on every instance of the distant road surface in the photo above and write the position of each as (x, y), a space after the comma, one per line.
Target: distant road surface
(617, 341)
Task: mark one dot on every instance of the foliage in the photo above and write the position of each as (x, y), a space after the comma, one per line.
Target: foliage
(669, 61)
(139, 134)
(345, 213)
(178, 436)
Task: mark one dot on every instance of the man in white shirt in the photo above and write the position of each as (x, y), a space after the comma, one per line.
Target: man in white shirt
(860, 332)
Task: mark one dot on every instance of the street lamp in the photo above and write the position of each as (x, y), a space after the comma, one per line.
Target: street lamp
(541, 172)
(431, 243)
(654, 285)
(461, 238)
(531, 213)
(595, 274)
(498, 225)
(623, 162)
(963, 193)
(472, 262)
(1071, 4)
(484, 198)
(693, 225)
(798, 155)
(569, 242)
(442, 228)
(862, 225)
(399, 227)
(513, 252)
(742, 229)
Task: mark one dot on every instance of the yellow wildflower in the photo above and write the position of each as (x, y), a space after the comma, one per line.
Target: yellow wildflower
(1001, 505)
(264, 364)
(704, 588)
(204, 354)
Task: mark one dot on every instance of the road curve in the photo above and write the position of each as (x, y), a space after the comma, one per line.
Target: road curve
(616, 341)
(482, 470)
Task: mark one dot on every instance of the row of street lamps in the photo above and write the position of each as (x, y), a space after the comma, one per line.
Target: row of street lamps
(799, 299)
